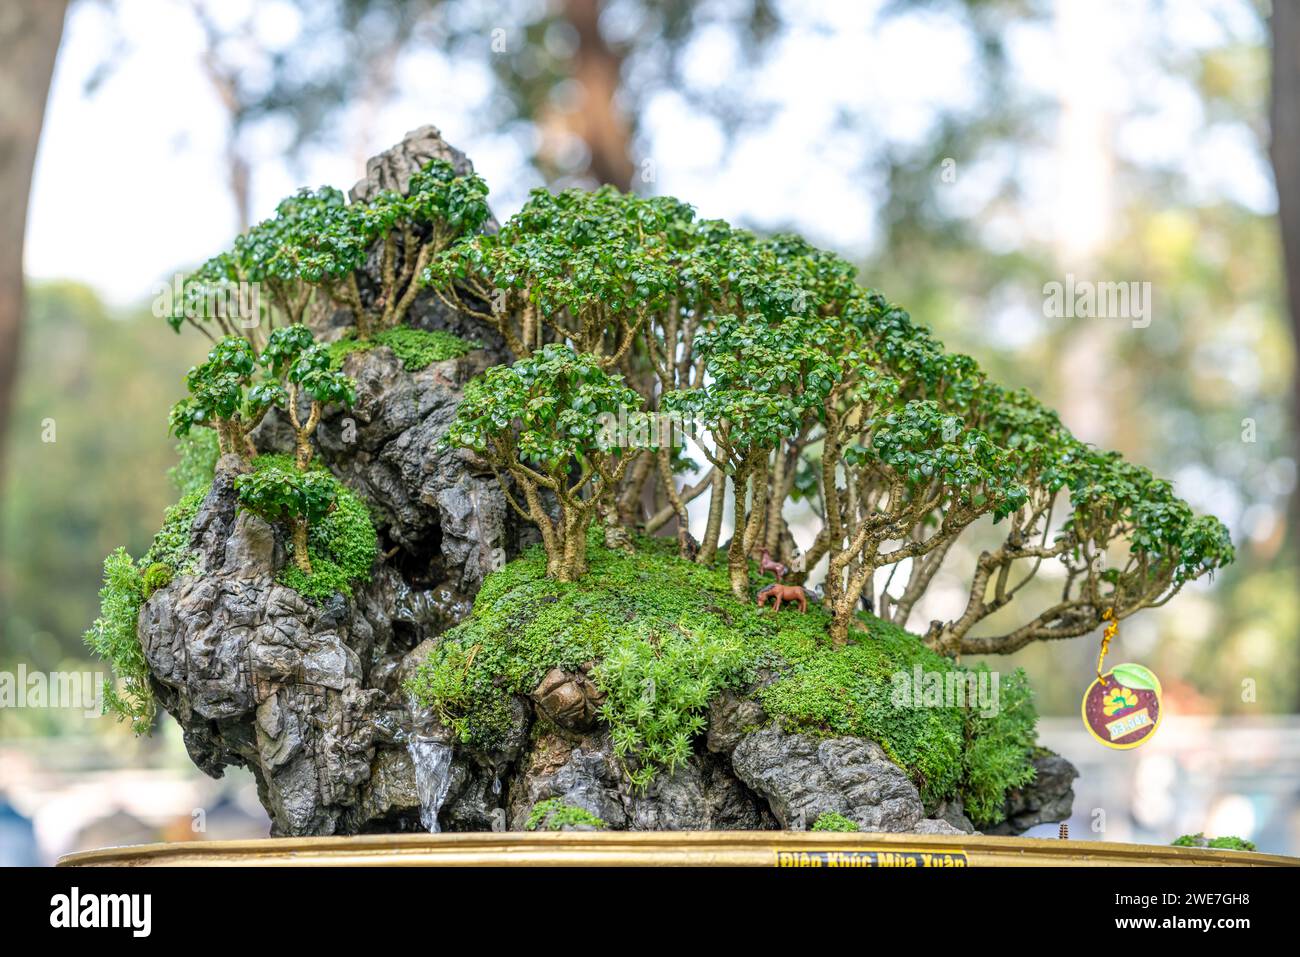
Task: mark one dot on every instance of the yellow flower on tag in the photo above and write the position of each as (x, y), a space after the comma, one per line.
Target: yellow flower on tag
(1121, 699)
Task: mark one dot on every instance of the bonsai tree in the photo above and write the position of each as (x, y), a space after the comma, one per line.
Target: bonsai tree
(225, 397)
(916, 477)
(438, 207)
(315, 246)
(543, 422)
(808, 386)
(326, 241)
(582, 268)
(293, 496)
(1128, 543)
(765, 379)
(309, 244)
(220, 397)
(300, 369)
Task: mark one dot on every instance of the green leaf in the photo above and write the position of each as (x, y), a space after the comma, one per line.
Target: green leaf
(1136, 677)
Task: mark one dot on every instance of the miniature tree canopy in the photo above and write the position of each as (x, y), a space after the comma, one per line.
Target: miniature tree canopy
(787, 377)
(539, 420)
(293, 496)
(807, 385)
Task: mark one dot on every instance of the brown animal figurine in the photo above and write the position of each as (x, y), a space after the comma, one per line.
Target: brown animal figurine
(783, 593)
(767, 564)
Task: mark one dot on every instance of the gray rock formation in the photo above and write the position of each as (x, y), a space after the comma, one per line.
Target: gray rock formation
(1046, 800)
(393, 168)
(445, 514)
(953, 813)
(803, 777)
(702, 795)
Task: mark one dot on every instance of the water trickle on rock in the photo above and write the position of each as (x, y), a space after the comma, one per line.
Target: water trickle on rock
(431, 610)
(432, 761)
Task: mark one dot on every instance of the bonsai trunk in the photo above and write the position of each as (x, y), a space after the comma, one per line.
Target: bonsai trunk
(571, 561)
(839, 629)
(844, 600)
(300, 556)
(746, 532)
(775, 522)
(302, 453)
(302, 431)
(717, 499)
(675, 500)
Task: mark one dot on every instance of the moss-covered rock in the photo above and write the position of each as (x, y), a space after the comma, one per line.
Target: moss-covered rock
(416, 348)
(668, 639)
(342, 545)
(554, 815)
(833, 821)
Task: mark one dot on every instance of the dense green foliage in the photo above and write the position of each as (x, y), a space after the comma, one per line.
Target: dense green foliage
(834, 821)
(232, 392)
(544, 421)
(1226, 843)
(416, 349)
(341, 540)
(314, 247)
(113, 638)
(555, 815)
(617, 308)
(222, 398)
(807, 385)
(282, 494)
(667, 635)
(791, 368)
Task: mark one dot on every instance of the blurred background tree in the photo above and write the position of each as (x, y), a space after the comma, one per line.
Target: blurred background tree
(29, 40)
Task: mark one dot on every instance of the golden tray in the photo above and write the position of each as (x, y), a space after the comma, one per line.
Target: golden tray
(664, 848)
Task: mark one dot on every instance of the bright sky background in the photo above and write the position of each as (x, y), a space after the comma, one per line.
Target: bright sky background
(130, 185)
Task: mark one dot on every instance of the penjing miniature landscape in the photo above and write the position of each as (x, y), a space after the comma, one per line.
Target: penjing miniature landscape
(432, 565)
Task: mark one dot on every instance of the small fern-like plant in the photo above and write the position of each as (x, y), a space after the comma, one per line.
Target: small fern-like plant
(554, 814)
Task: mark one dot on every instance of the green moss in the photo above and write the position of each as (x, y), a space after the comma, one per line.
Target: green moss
(342, 546)
(344, 346)
(1227, 843)
(822, 689)
(1230, 843)
(155, 576)
(171, 546)
(667, 636)
(832, 821)
(416, 348)
(554, 815)
(999, 749)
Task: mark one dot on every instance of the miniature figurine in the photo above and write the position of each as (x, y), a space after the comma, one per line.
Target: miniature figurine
(783, 593)
(767, 564)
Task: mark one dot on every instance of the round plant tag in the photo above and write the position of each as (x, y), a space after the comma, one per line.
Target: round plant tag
(1122, 708)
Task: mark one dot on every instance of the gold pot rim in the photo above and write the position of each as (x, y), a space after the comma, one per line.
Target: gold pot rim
(665, 848)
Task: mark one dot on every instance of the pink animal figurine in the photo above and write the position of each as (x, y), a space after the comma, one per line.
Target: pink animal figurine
(766, 564)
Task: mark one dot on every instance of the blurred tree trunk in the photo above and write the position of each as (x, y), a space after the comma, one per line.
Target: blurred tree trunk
(30, 31)
(597, 121)
(1285, 152)
(1284, 149)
